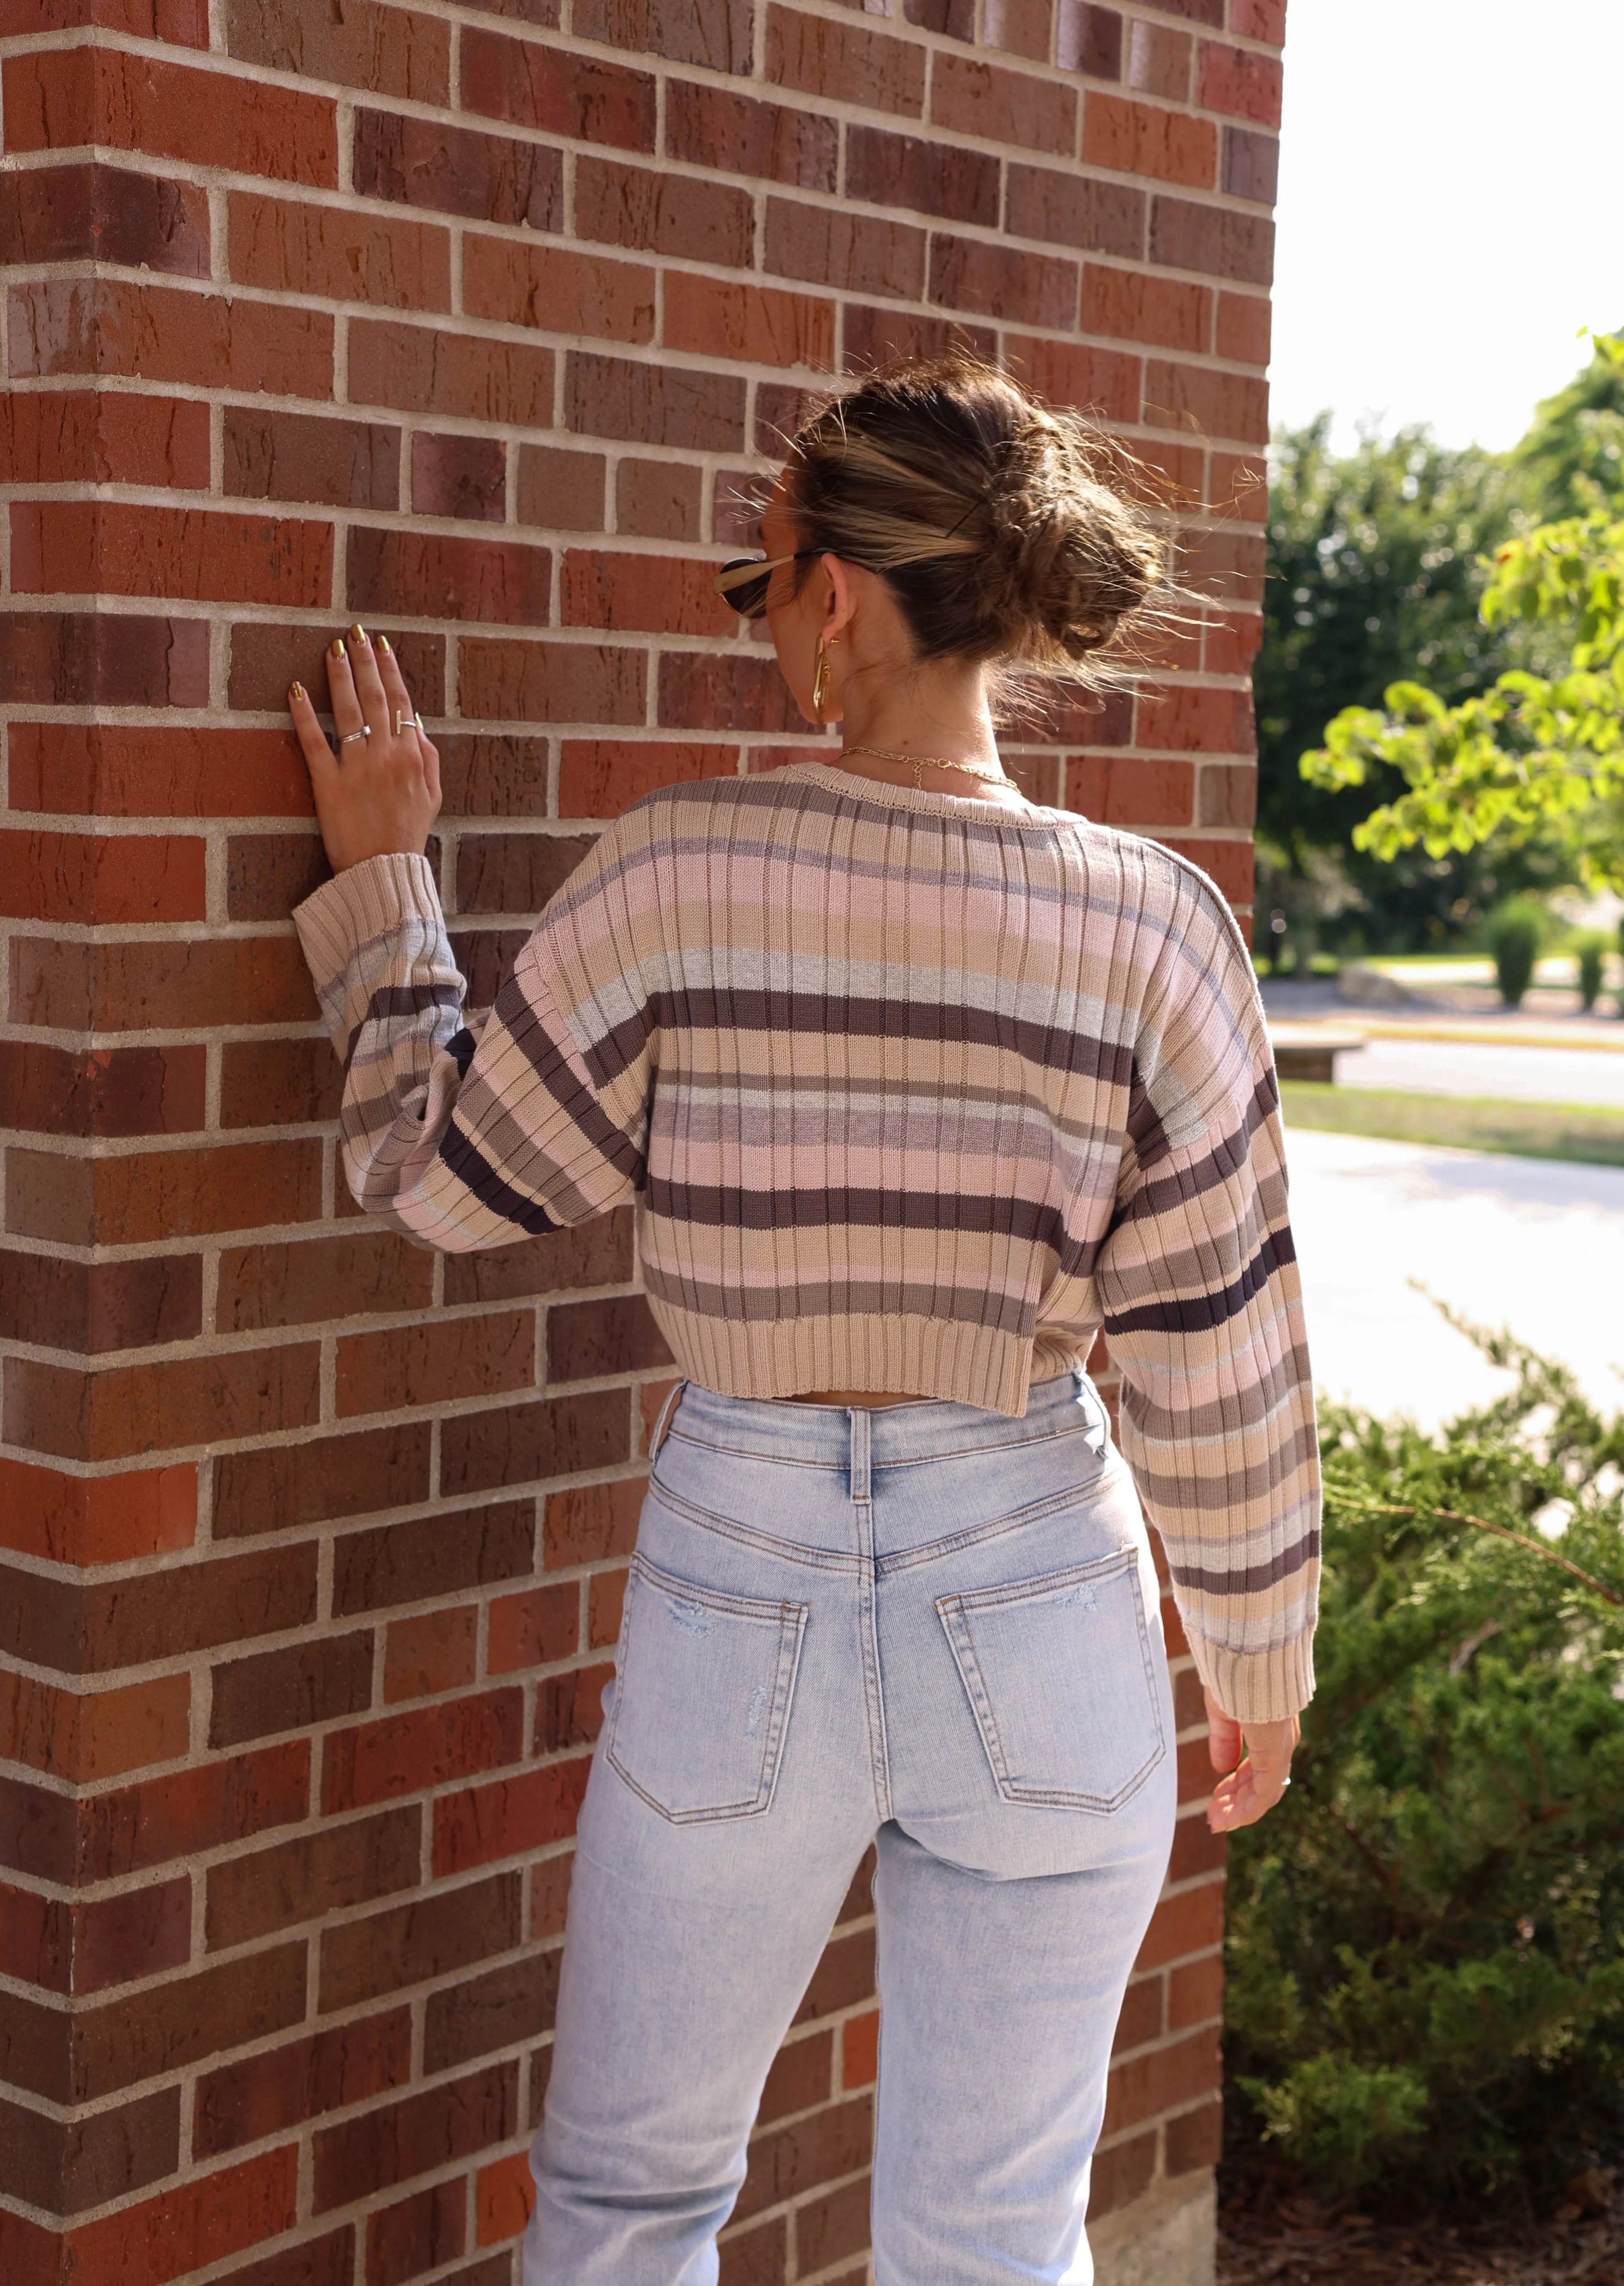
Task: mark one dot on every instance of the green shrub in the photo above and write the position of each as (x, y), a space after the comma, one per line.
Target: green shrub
(1426, 1940)
(1515, 932)
(1592, 950)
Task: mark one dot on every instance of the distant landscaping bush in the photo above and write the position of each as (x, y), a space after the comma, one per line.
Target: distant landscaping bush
(1592, 950)
(1515, 932)
(1426, 1940)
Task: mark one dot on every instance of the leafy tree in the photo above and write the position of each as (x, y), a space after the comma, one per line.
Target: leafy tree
(1426, 1939)
(1535, 760)
(1374, 571)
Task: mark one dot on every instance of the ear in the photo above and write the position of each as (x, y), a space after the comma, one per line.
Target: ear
(840, 603)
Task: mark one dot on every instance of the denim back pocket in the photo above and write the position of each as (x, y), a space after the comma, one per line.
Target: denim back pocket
(1060, 1675)
(702, 1700)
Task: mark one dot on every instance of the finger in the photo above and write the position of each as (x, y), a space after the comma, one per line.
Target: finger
(368, 682)
(402, 710)
(319, 757)
(1223, 1740)
(347, 715)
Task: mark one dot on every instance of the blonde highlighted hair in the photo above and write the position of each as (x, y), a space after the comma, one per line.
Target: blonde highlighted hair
(992, 517)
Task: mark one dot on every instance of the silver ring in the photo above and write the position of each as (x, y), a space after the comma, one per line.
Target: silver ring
(348, 735)
(402, 718)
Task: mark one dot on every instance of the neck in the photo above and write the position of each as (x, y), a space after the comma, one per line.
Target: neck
(940, 712)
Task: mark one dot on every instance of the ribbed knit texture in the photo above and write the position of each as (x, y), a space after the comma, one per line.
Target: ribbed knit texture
(912, 1092)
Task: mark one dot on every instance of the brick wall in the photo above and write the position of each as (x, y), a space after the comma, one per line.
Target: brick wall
(476, 321)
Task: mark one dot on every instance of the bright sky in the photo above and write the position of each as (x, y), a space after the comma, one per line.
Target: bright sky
(1448, 209)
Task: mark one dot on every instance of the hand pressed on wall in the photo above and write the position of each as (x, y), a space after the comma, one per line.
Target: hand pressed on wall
(380, 793)
(1256, 1784)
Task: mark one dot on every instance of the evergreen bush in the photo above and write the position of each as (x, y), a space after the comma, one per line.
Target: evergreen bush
(1515, 931)
(1426, 1939)
(1592, 956)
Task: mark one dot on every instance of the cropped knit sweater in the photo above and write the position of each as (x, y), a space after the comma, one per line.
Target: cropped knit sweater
(910, 1091)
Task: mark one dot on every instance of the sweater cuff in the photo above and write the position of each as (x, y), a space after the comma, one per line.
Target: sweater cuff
(364, 902)
(1264, 1686)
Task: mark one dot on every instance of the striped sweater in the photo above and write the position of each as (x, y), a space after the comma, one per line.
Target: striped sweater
(911, 1093)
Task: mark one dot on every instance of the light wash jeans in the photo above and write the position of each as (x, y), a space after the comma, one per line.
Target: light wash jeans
(925, 1626)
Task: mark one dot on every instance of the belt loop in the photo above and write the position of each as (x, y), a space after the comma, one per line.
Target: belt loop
(673, 1397)
(860, 1418)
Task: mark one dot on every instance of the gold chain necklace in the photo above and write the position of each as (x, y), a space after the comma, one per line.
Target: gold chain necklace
(936, 762)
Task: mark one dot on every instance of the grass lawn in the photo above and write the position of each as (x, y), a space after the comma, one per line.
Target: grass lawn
(1465, 1123)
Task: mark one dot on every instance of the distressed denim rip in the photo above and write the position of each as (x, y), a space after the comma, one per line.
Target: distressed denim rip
(926, 1627)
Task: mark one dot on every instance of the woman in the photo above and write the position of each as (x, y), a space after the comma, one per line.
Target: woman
(915, 1083)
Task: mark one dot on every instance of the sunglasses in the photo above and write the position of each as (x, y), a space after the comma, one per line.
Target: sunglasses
(744, 583)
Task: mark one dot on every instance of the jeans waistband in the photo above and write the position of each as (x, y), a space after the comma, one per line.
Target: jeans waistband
(841, 1435)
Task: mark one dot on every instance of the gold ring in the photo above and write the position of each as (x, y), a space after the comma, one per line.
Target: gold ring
(353, 733)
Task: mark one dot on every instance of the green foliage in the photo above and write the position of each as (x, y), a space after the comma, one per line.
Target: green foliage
(1374, 571)
(1592, 950)
(1572, 460)
(1514, 933)
(1426, 1939)
(1538, 757)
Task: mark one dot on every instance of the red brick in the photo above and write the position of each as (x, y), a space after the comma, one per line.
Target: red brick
(605, 1606)
(1005, 106)
(1066, 373)
(828, 246)
(654, 405)
(74, 437)
(591, 1523)
(462, 477)
(1190, 1921)
(70, 877)
(312, 1875)
(433, 1556)
(789, 2160)
(665, 595)
(713, 127)
(190, 2226)
(56, 99)
(758, 2256)
(599, 103)
(81, 1739)
(1243, 328)
(915, 171)
(426, 1936)
(1229, 865)
(416, 2136)
(534, 1629)
(1238, 82)
(662, 213)
(1137, 308)
(1114, 790)
(109, 770)
(1194, 2140)
(840, 63)
(97, 213)
(184, 22)
(504, 2192)
(698, 688)
(1194, 721)
(860, 2051)
(762, 325)
(126, 1410)
(551, 683)
(1233, 641)
(1196, 1993)
(1140, 138)
(479, 1824)
(659, 499)
(403, 1753)
(1213, 239)
(433, 1653)
(389, 51)
(267, 2093)
(715, 33)
(1070, 209)
(1158, 61)
(273, 455)
(563, 490)
(289, 1688)
(1260, 20)
(558, 289)
(1158, 2078)
(1026, 289)
(88, 1946)
(445, 576)
(78, 547)
(161, 1194)
(96, 1519)
(1140, 2020)
(1121, 2173)
(1217, 403)
(288, 246)
(416, 2233)
(159, 1820)
(164, 333)
(423, 369)
(1023, 27)
(597, 778)
(437, 1363)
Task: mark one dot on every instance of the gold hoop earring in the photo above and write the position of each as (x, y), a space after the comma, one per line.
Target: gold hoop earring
(820, 680)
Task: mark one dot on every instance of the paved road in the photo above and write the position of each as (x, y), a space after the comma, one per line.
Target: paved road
(1529, 1243)
(1454, 1067)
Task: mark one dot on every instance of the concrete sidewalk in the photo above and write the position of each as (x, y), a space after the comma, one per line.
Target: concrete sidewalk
(1531, 1244)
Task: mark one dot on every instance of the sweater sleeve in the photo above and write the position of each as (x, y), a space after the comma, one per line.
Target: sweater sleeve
(465, 1135)
(1203, 1304)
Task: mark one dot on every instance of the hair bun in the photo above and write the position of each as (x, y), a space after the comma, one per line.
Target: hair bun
(990, 513)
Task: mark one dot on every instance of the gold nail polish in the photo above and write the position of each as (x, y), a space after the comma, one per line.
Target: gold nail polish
(383, 647)
(338, 650)
(296, 691)
(358, 633)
